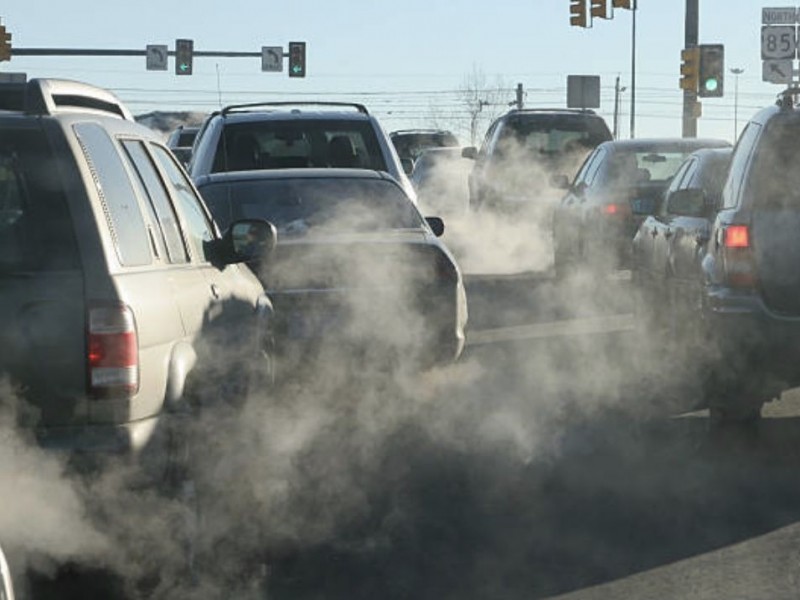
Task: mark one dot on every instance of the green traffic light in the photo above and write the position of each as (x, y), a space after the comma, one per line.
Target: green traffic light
(711, 85)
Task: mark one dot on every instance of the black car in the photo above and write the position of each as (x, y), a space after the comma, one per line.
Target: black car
(356, 265)
(619, 184)
(523, 149)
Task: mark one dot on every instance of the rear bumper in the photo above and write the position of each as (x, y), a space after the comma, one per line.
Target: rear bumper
(754, 341)
(304, 322)
(91, 447)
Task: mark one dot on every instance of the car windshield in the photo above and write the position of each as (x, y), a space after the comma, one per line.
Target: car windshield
(292, 143)
(296, 205)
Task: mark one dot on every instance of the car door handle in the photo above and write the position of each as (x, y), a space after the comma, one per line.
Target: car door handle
(654, 232)
(215, 291)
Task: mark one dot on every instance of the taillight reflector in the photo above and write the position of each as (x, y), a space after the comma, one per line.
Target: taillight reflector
(112, 351)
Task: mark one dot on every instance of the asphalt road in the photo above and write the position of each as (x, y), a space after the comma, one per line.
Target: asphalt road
(569, 476)
(549, 463)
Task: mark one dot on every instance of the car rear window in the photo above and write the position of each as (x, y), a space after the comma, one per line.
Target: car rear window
(297, 205)
(554, 134)
(776, 167)
(36, 230)
(298, 143)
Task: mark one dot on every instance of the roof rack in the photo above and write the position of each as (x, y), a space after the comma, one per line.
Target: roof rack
(787, 99)
(237, 107)
(420, 130)
(51, 96)
(553, 109)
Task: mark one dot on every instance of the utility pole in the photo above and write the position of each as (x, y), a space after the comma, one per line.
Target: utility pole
(736, 71)
(519, 101)
(617, 100)
(635, 8)
(692, 35)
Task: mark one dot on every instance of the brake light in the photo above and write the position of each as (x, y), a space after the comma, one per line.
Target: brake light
(616, 210)
(738, 261)
(112, 352)
(737, 236)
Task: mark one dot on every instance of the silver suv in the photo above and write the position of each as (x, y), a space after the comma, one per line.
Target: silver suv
(117, 288)
(280, 135)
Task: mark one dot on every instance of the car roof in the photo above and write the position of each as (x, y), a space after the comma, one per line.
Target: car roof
(292, 111)
(662, 144)
(297, 173)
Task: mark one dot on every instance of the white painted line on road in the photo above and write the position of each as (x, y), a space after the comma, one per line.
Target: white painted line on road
(571, 327)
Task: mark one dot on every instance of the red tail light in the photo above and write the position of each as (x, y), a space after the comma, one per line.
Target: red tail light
(737, 236)
(112, 352)
(616, 210)
(738, 259)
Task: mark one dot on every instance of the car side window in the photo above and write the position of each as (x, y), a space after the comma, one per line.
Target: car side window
(681, 179)
(154, 189)
(36, 232)
(594, 169)
(581, 174)
(116, 193)
(197, 226)
(741, 158)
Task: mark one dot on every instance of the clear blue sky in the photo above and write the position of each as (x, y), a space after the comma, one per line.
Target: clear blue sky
(405, 60)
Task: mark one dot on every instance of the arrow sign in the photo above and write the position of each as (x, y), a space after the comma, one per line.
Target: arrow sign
(272, 59)
(777, 71)
(156, 55)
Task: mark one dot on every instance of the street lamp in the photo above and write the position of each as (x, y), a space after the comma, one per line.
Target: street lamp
(736, 71)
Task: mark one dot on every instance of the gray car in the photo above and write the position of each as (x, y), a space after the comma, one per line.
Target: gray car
(277, 135)
(117, 289)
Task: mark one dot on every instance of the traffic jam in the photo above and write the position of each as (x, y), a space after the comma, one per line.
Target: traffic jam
(285, 349)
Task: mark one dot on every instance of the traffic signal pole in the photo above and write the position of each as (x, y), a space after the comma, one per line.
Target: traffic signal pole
(692, 35)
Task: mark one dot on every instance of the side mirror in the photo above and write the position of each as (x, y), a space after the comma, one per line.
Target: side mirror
(407, 164)
(436, 224)
(560, 182)
(470, 152)
(248, 240)
(688, 202)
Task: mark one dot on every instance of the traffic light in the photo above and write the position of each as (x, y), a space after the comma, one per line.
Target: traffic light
(577, 13)
(712, 70)
(690, 68)
(184, 52)
(297, 59)
(622, 4)
(601, 9)
(5, 44)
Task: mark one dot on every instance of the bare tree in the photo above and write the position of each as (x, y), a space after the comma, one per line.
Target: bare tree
(483, 102)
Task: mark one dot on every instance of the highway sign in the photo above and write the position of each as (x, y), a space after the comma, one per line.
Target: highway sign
(786, 15)
(777, 71)
(778, 41)
(157, 57)
(272, 58)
